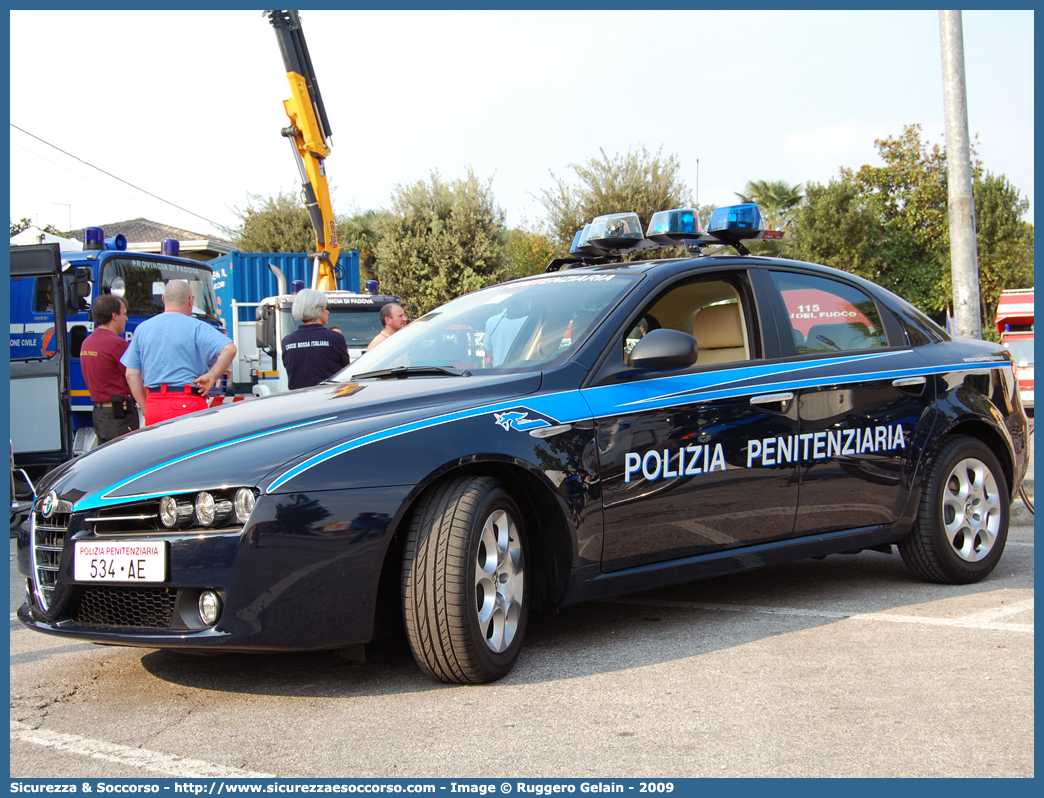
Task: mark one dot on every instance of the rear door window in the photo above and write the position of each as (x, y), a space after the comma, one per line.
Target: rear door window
(827, 315)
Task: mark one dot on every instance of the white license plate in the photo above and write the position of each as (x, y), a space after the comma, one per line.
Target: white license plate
(120, 561)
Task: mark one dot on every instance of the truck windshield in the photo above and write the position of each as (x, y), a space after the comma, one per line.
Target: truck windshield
(521, 325)
(141, 281)
(357, 325)
(1021, 352)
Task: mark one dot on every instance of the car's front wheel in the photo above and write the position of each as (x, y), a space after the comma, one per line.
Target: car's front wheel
(963, 520)
(463, 581)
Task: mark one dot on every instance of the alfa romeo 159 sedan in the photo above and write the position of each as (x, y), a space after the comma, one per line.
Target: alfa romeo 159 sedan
(601, 428)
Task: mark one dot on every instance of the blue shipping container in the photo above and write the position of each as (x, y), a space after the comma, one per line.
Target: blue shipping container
(245, 277)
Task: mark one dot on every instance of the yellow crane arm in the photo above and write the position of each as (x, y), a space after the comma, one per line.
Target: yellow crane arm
(309, 134)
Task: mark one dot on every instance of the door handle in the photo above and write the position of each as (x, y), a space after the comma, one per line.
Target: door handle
(909, 382)
(773, 398)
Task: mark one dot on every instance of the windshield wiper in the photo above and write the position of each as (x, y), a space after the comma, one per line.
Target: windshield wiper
(412, 371)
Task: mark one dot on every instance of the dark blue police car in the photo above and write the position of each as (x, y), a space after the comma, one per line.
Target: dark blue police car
(602, 428)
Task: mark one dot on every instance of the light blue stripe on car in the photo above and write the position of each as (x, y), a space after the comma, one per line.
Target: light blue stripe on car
(105, 499)
(570, 407)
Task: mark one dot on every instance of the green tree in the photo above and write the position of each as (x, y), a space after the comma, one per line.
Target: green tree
(528, 249)
(1004, 243)
(890, 223)
(25, 223)
(639, 182)
(835, 227)
(441, 239)
(776, 199)
(274, 224)
(363, 231)
(704, 213)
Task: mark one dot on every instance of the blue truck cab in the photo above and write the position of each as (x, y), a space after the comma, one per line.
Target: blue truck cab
(104, 266)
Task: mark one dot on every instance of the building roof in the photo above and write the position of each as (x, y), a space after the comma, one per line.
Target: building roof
(144, 235)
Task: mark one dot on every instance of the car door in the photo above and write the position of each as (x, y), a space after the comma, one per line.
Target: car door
(41, 433)
(862, 392)
(672, 446)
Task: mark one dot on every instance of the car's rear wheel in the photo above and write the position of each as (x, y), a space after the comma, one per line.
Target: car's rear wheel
(963, 520)
(463, 581)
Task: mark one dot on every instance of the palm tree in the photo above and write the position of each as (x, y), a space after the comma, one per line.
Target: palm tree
(777, 200)
(362, 232)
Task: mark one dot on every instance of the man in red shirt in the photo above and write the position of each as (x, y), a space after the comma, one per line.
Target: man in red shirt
(115, 412)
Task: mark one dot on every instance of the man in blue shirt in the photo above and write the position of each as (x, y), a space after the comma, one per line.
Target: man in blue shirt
(174, 359)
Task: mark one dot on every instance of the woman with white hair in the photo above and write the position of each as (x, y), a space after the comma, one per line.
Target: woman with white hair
(312, 353)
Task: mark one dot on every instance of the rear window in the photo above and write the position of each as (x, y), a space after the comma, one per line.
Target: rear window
(827, 315)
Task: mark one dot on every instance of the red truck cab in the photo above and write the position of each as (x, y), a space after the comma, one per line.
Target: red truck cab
(1015, 326)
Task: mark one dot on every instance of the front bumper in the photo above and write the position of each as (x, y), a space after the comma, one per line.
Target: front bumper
(292, 579)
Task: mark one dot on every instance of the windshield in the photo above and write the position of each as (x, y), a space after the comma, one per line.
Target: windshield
(141, 281)
(1021, 352)
(516, 326)
(358, 326)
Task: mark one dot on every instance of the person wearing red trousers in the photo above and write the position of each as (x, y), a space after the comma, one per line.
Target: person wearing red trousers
(174, 359)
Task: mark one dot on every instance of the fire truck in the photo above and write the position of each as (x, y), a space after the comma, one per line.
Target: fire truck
(1015, 327)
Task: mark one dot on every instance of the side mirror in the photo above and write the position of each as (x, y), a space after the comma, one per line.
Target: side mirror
(78, 298)
(265, 330)
(662, 350)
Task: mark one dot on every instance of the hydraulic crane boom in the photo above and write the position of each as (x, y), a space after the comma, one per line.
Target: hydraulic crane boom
(309, 134)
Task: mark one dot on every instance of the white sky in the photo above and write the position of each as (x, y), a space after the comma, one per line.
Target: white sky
(188, 105)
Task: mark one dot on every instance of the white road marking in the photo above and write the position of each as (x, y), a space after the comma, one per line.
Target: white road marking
(982, 620)
(153, 761)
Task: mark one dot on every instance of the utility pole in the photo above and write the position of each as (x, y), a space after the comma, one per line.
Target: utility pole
(964, 256)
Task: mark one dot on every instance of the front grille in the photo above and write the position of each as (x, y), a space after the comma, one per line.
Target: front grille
(126, 607)
(48, 542)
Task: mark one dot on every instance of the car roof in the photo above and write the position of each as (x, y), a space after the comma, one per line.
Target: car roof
(667, 266)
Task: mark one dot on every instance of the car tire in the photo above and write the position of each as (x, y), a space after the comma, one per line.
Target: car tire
(962, 524)
(463, 581)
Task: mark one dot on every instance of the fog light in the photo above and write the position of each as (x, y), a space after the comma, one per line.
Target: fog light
(244, 504)
(209, 607)
(205, 508)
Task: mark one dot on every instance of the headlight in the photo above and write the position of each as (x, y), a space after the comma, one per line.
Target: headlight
(173, 514)
(207, 509)
(244, 504)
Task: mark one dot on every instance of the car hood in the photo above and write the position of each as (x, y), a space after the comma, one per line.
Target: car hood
(242, 443)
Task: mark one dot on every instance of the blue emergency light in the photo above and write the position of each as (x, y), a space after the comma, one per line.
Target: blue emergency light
(576, 240)
(745, 218)
(371, 286)
(615, 231)
(671, 228)
(171, 246)
(93, 238)
(580, 243)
